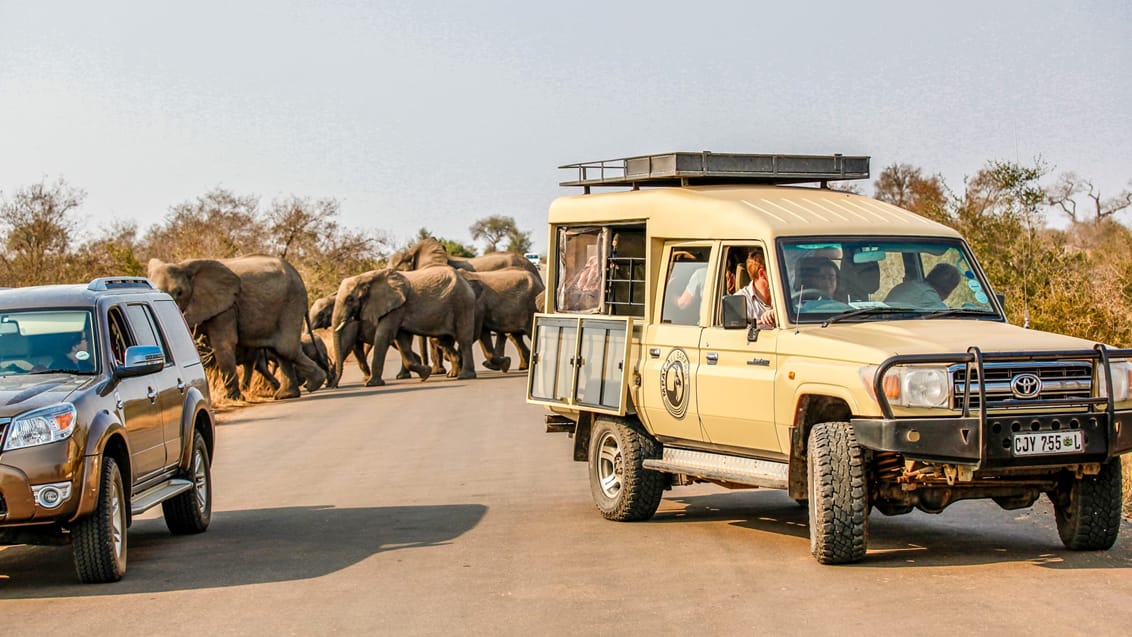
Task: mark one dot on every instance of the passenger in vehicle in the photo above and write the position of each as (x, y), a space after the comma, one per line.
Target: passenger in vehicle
(818, 274)
(929, 293)
(757, 292)
(694, 291)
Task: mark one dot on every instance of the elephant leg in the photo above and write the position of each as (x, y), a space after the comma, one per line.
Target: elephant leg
(464, 340)
(521, 345)
(289, 388)
(222, 336)
(361, 356)
(382, 338)
(259, 364)
(409, 358)
(437, 355)
(491, 356)
(407, 354)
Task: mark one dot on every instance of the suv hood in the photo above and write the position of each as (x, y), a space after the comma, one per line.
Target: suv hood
(873, 342)
(22, 393)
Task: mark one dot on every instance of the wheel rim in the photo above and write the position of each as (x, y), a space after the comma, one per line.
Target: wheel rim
(117, 521)
(610, 466)
(200, 481)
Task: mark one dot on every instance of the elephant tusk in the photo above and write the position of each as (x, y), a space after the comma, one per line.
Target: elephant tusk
(340, 327)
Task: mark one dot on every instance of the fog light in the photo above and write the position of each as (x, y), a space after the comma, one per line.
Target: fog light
(50, 496)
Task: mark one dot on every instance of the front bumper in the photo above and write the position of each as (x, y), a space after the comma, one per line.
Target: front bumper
(989, 444)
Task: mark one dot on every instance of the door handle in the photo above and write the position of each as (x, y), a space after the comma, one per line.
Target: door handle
(151, 394)
(654, 352)
(712, 358)
(180, 385)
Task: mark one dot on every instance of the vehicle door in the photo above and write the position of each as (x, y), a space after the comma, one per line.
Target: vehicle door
(167, 383)
(671, 342)
(136, 402)
(735, 379)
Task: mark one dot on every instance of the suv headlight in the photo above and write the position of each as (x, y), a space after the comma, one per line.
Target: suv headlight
(911, 386)
(1121, 380)
(41, 426)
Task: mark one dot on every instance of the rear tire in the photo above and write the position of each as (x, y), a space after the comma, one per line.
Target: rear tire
(839, 499)
(191, 511)
(99, 540)
(623, 490)
(1088, 510)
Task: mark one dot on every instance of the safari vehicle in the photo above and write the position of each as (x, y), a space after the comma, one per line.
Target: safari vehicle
(104, 413)
(890, 381)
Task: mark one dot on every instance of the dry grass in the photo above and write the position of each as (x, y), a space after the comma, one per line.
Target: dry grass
(1127, 459)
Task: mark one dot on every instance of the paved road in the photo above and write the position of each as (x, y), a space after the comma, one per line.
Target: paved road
(442, 508)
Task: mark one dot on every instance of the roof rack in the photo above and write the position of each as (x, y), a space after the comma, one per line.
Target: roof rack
(706, 167)
(102, 284)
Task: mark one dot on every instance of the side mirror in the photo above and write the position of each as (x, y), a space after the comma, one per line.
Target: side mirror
(141, 360)
(734, 315)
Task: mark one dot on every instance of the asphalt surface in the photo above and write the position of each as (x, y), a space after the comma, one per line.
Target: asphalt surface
(443, 508)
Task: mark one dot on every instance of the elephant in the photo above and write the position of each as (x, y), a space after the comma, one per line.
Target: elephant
(245, 302)
(268, 364)
(320, 316)
(396, 305)
(429, 252)
(507, 304)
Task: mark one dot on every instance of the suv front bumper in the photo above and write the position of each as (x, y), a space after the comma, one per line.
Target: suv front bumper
(958, 440)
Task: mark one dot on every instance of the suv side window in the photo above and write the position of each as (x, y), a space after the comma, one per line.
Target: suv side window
(145, 331)
(685, 284)
(175, 329)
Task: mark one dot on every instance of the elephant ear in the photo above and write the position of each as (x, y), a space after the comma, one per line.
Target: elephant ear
(153, 267)
(386, 296)
(215, 289)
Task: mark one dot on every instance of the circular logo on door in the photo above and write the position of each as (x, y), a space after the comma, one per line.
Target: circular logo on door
(674, 383)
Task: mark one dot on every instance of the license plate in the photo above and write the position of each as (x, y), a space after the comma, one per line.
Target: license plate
(1048, 442)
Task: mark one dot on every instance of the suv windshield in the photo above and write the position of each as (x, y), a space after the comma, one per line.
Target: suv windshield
(37, 341)
(873, 279)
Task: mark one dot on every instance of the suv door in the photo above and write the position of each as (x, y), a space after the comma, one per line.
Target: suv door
(165, 385)
(671, 342)
(136, 402)
(735, 382)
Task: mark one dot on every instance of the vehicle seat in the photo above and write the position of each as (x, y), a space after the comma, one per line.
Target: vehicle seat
(859, 281)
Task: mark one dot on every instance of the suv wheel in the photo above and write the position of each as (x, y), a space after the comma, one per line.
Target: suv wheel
(839, 501)
(191, 511)
(623, 489)
(100, 538)
(1088, 509)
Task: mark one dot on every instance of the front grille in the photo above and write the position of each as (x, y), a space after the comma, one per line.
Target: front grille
(1059, 381)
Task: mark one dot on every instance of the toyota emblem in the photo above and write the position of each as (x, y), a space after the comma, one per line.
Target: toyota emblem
(1026, 386)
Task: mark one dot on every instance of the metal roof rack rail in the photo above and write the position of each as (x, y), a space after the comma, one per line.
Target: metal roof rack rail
(105, 283)
(707, 168)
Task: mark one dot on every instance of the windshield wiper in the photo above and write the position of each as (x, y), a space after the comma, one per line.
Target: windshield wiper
(869, 311)
(964, 311)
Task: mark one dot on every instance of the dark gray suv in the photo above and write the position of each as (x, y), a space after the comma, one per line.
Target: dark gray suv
(104, 413)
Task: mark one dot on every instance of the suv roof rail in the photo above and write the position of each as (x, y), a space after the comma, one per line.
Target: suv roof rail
(706, 167)
(102, 284)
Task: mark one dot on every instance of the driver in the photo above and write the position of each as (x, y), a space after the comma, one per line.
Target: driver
(820, 274)
(757, 292)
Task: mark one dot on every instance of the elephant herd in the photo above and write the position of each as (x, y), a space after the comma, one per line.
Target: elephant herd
(253, 310)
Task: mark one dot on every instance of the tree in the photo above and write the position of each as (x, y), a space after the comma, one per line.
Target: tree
(218, 225)
(113, 253)
(38, 227)
(519, 242)
(905, 186)
(492, 230)
(1063, 195)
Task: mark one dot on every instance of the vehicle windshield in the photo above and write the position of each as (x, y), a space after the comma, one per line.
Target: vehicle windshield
(882, 279)
(47, 341)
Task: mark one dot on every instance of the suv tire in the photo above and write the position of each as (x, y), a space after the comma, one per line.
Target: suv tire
(100, 538)
(623, 489)
(191, 511)
(839, 501)
(1088, 509)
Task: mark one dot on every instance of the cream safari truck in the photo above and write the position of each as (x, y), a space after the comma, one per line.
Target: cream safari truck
(890, 380)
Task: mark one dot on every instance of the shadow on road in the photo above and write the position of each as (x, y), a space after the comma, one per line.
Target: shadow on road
(241, 548)
(973, 533)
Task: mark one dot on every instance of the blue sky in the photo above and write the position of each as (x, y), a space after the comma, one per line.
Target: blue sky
(432, 114)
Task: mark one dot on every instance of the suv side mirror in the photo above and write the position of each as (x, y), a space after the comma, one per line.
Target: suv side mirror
(141, 360)
(734, 312)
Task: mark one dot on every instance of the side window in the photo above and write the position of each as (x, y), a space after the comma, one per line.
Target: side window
(144, 328)
(173, 324)
(685, 284)
(735, 274)
(119, 335)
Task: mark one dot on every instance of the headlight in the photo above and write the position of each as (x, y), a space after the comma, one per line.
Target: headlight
(1121, 380)
(911, 386)
(41, 426)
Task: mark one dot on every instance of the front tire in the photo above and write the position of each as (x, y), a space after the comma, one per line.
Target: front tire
(1088, 509)
(623, 490)
(99, 540)
(191, 511)
(839, 500)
